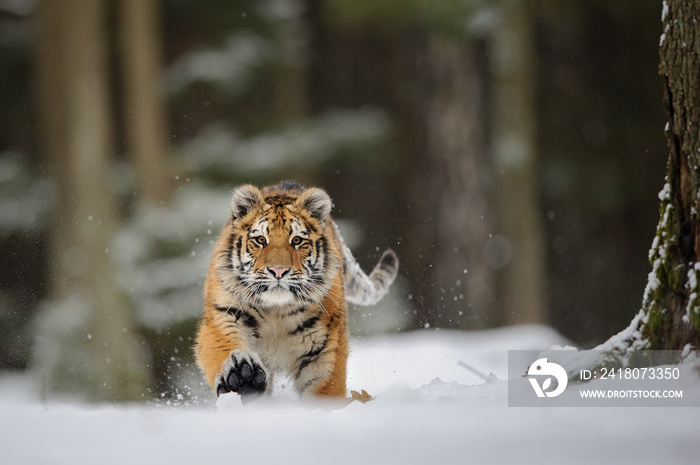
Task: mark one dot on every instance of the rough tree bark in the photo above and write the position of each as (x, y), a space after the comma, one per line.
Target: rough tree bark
(85, 340)
(670, 314)
(671, 301)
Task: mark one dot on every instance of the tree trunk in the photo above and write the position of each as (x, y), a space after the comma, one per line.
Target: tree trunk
(50, 80)
(145, 114)
(670, 314)
(85, 341)
(671, 300)
(519, 249)
(457, 149)
(291, 99)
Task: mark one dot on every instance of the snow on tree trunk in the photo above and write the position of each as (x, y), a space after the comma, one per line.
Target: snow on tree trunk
(671, 301)
(670, 314)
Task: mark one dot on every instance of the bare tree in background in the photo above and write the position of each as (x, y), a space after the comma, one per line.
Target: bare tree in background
(145, 112)
(461, 176)
(487, 192)
(85, 334)
(291, 99)
(519, 249)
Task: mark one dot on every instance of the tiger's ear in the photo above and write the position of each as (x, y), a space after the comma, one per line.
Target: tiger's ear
(244, 199)
(317, 203)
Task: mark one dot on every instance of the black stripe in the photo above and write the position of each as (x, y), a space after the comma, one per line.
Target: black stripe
(306, 362)
(324, 249)
(249, 321)
(388, 260)
(306, 324)
(237, 247)
(307, 267)
(295, 311)
(314, 353)
(311, 357)
(229, 310)
(303, 365)
(313, 229)
(319, 247)
(243, 317)
(229, 255)
(310, 382)
(280, 198)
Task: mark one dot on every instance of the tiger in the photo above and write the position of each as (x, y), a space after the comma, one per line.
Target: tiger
(275, 295)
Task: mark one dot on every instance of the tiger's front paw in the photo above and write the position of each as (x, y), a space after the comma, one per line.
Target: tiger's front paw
(242, 373)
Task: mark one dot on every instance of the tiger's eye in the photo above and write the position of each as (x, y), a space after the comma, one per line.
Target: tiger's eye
(296, 240)
(261, 240)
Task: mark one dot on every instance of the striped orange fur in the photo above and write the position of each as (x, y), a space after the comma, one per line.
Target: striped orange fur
(275, 295)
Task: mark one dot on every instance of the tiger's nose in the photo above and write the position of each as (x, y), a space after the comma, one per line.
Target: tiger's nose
(278, 271)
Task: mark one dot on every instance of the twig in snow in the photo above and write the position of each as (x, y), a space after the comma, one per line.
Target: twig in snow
(491, 378)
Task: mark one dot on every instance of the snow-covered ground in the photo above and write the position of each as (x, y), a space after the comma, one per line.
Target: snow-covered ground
(429, 409)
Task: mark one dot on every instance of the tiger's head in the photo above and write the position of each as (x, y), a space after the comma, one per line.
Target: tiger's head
(281, 250)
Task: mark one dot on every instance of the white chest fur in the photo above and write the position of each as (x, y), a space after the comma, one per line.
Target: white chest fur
(283, 339)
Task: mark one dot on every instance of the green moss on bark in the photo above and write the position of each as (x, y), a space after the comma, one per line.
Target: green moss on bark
(657, 326)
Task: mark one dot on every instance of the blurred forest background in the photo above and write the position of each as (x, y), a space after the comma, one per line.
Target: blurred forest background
(511, 152)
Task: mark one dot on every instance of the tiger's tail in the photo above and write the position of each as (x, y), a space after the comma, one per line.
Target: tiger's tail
(361, 289)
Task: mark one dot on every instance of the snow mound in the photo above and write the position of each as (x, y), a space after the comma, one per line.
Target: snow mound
(427, 409)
